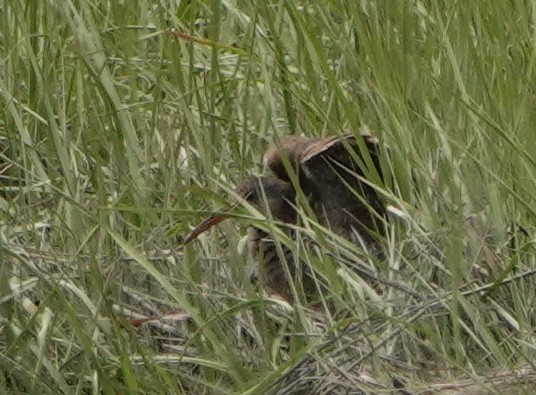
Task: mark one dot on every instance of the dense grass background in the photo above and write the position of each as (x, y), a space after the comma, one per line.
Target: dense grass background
(125, 122)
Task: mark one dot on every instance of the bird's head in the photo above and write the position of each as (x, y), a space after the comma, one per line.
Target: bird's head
(266, 194)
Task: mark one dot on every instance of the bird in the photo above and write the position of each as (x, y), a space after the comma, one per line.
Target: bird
(329, 171)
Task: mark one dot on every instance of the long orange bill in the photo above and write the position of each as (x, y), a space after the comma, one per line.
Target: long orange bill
(204, 226)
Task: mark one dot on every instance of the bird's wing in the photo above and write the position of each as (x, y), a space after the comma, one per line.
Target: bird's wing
(320, 154)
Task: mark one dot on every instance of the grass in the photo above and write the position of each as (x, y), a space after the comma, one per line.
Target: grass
(125, 123)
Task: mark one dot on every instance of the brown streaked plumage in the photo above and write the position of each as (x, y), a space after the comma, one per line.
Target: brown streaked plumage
(329, 172)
